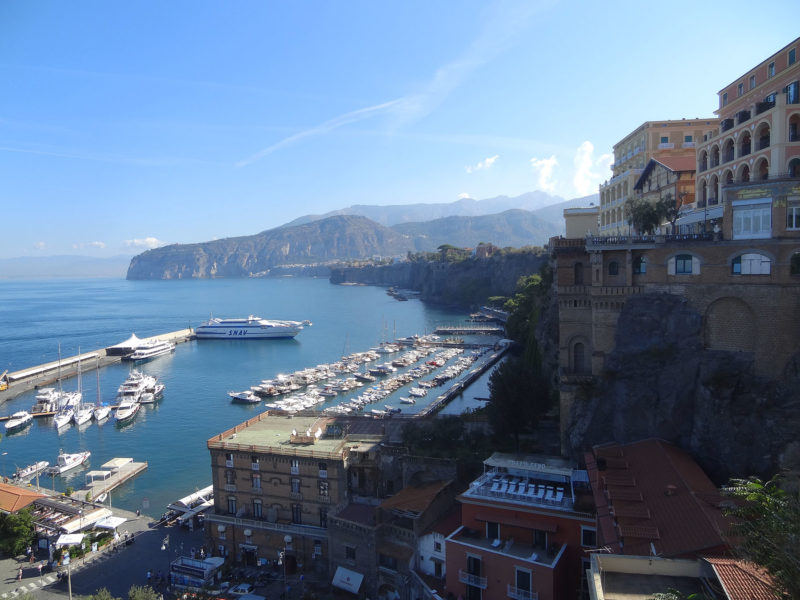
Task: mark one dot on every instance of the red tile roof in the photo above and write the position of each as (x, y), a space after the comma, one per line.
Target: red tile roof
(13, 498)
(677, 164)
(415, 498)
(657, 498)
(742, 580)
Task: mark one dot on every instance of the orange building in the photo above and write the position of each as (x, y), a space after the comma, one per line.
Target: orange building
(526, 525)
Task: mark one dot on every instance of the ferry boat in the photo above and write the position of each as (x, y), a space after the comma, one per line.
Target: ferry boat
(151, 350)
(251, 328)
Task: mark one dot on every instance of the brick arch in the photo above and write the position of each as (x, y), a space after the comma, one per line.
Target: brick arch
(729, 324)
(580, 355)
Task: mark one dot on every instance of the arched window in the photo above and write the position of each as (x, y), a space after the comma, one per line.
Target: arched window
(640, 265)
(751, 264)
(745, 173)
(579, 358)
(727, 151)
(613, 268)
(763, 136)
(744, 144)
(703, 161)
(578, 273)
(683, 264)
(704, 191)
(762, 168)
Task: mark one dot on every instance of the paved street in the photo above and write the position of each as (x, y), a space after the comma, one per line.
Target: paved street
(116, 571)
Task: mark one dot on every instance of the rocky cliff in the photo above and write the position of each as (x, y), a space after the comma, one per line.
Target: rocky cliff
(661, 382)
(464, 283)
(338, 237)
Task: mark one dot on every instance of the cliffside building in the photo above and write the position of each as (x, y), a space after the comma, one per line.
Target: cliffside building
(671, 178)
(652, 139)
(526, 524)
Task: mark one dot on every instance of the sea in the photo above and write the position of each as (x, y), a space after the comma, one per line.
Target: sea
(40, 318)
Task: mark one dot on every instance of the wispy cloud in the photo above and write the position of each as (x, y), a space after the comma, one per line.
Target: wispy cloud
(39, 245)
(464, 195)
(501, 28)
(148, 242)
(544, 167)
(484, 164)
(589, 171)
(80, 245)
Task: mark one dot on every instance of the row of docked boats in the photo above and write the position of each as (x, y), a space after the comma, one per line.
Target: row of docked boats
(139, 388)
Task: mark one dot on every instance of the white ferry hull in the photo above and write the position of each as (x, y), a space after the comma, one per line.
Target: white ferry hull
(252, 328)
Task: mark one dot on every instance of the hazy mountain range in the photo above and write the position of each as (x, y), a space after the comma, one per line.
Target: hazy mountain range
(528, 219)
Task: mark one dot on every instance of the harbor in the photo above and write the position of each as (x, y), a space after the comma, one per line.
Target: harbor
(101, 483)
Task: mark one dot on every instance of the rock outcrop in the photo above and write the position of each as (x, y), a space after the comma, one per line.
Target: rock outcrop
(464, 283)
(661, 382)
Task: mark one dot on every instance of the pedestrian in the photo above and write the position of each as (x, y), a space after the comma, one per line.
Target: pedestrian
(19, 574)
(138, 513)
(39, 566)
(149, 575)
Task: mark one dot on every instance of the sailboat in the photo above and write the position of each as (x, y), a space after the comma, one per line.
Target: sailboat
(64, 401)
(101, 410)
(83, 413)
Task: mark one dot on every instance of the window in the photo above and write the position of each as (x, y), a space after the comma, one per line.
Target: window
(522, 581)
(229, 459)
(492, 531)
(323, 518)
(793, 214)
(540, 538)
(297, 513)
(640, 265)
(387, 562)
(254, 463)
(295, 486)
(664, 139)
(740, 89)
(751, 264)
(578, 273)
(771, 69)
(794, 264)
(752, 81)
(221, 536)
(324, 488)
(295, 467)
(613, 268)
(349, 552)
(792, 56)
(437, 546)
(683, 264)
(256, 479)
(725, 99)
(317, 548)
(257, 513)
(232, 505)
(323, 469)
(687, 138)
(792, 95)
(230, 477)
(752, 220)
(588, 537)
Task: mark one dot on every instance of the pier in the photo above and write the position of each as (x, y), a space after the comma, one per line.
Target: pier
(48, 373)
(470, 330)
(117, 471)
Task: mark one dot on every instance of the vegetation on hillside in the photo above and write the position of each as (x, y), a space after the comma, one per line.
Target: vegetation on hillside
(766, 529)
(16, 532)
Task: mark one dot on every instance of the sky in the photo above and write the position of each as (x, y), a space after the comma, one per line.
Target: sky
(129, 125)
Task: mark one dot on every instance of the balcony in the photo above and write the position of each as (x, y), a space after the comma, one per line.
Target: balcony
(229, 464)
(764, 106)
(520, 594)
(470, 579)
(742, 116)
(726, 125)
(323, 474)
(255, 466)
(687, 145)
(294, 470)
(666, 146)
(763, 142)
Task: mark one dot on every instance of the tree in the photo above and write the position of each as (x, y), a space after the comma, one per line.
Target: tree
(142, 593)
(766, 529)
(102, 594)
(643, 216)
(669, 210)
(16, 532)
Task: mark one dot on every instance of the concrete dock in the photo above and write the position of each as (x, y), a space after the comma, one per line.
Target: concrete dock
(47, 374)
(113, 474)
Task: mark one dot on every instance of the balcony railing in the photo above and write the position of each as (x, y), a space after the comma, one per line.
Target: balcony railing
(294, 470)
(323, 474)
(764, 106)
(666, 146)
(520, 594)
(255, 466)
(470, 579)
(742, 116)
(726, 125)
(229, 464)
(763, 142)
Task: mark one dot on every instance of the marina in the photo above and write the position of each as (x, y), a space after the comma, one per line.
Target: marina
(102, 482)
(199, 374)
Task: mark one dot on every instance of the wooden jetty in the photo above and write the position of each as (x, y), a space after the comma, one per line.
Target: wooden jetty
(115, 472)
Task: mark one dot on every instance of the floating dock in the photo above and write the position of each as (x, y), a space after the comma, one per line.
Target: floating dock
(115, 472)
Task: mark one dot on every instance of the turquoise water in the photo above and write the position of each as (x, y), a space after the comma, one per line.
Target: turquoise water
(35, 316)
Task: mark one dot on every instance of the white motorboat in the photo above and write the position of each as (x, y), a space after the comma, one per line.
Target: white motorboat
(65, 462)
(18, 421)
(30, 471)
(417, 392)
(150, 350)
(251, 328)
(245, 397)
(126, 411)
(407, 401)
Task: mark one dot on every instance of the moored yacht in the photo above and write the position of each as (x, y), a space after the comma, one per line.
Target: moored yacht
(18, 421)
(150, 350)
(251, 328)
(245, 397)
(28, 472)
(126, 411)
(65, 462)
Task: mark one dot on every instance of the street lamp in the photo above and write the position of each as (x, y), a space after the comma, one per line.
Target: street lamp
(287, 541)
(165, 548)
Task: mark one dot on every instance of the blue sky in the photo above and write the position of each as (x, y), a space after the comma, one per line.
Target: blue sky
(124, 125)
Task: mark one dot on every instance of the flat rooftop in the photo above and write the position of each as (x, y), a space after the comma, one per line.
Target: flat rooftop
(300, 433)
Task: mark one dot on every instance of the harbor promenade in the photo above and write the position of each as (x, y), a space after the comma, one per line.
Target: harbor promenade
(48, 373)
